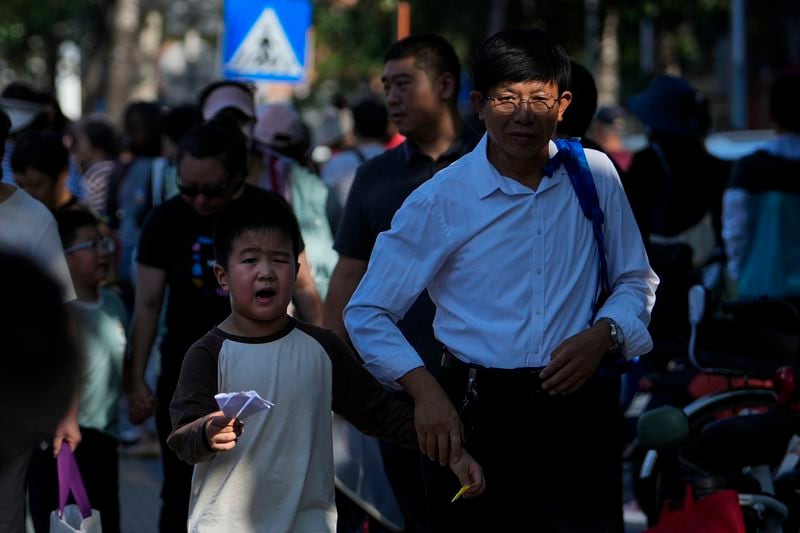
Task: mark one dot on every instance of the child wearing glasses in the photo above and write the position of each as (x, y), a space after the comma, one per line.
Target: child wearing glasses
(100, 321)
(274, 472)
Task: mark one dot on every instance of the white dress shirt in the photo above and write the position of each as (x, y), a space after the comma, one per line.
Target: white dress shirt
(513, 272)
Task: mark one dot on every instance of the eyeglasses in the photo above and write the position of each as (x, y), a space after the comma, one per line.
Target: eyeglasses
(508, 104)
(105, 244)
(216, 191)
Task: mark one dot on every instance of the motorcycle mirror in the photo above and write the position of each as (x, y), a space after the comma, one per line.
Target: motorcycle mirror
(663, 427)
(697, 304)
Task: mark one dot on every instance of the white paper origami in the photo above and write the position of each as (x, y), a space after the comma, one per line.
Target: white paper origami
(241, 404)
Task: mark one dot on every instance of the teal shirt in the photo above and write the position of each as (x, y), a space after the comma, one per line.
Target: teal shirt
(101, 333)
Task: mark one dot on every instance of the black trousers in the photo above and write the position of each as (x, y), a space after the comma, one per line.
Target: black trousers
(177, 485)
(98, 462)
(551, 463)
(13, 468)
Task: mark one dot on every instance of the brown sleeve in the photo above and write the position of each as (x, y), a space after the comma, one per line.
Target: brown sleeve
(360, 398)
(194, 400)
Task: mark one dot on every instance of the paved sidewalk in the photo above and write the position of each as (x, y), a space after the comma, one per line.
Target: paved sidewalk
(140, 483)
(139, 487)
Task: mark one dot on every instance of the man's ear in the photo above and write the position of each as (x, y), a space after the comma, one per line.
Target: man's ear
(222, 277)
(447, 86)
(563, 104)
(478, 102)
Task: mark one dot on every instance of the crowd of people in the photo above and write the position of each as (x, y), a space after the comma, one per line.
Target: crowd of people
(446, 297)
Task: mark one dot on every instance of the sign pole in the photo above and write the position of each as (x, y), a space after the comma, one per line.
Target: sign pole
(403, 20)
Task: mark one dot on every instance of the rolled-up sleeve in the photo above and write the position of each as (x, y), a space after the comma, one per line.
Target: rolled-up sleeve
(633, 282)
(405, 259)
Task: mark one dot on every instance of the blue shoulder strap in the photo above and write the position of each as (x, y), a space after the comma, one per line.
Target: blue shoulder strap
(571, 155)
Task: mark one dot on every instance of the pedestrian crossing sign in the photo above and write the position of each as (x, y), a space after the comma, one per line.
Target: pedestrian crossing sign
(266, 39)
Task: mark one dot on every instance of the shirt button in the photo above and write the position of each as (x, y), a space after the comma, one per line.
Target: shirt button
(538, 313)
(538, 232)
(538, 270)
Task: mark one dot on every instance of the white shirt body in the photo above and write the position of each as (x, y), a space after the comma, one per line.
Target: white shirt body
(513, 272)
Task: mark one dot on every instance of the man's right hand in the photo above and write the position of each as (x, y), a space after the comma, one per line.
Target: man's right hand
(141, 402)
(439, 428)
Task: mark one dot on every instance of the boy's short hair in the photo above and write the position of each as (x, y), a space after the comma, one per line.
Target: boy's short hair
(259, 211)
(432, 53)
(70, 221)
(217, 140)
(518, 56)
(41, 150)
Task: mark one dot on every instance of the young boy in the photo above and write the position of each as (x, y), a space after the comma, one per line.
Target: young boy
(278, 475)
(100, 320)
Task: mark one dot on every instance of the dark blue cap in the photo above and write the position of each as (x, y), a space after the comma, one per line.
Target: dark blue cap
(669, 105)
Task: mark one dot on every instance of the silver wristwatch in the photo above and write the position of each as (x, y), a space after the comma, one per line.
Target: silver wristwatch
(617, 338)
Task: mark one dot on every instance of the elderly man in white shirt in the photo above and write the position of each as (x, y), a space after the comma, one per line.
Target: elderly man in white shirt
(511, 263)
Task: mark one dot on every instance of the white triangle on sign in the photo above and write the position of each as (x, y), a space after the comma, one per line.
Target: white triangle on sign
(266, 49)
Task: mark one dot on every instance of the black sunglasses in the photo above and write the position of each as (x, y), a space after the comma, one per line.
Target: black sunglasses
(217, 191)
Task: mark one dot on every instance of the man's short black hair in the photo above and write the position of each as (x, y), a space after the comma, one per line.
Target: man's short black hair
(783, 104)
(370, 119)
(518, 56)
(41, 150)
(432, 53)
(71, 220)
(581, 110)
(256, 212)
(217, 140)
(100, 133)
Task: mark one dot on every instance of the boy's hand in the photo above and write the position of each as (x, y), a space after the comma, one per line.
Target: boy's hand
(469, 472)
(222, 432)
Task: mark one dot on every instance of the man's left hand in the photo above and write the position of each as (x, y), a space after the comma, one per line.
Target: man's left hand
(576, 360)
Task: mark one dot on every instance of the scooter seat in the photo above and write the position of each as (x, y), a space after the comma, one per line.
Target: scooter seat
(745, 440)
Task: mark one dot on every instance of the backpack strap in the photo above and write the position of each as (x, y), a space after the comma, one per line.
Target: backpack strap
(571, 155)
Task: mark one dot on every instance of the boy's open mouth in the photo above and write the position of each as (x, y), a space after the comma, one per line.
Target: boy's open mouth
(264, 295)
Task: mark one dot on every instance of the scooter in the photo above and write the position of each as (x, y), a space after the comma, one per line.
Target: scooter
(736, 438)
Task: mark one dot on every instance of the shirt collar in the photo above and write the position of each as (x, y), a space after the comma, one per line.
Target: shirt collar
(467, 136)
(494, 180)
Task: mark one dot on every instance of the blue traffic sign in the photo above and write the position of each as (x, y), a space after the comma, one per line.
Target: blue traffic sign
(266, 39)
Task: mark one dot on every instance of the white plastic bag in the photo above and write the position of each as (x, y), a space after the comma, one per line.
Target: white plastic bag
(78, 517)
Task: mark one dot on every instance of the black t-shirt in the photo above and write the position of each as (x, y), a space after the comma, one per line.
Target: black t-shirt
(177, 240)
(380, 187)
(673, 185)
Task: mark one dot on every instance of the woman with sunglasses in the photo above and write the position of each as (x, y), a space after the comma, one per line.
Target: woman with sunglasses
(176, 251)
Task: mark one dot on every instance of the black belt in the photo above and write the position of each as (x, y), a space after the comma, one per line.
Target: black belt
(527, 378)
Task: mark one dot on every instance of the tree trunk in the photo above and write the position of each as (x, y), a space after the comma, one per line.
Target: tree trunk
(607, 77)
(498, 9)
(124, 28)
(95, 70)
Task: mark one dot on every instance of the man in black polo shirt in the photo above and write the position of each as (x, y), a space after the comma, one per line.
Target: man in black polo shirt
(421, 83)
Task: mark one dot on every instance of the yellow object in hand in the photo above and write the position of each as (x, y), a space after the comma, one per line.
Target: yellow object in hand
(461, 492)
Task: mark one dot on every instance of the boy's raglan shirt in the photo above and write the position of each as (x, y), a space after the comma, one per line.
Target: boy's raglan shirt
(280, 474)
